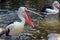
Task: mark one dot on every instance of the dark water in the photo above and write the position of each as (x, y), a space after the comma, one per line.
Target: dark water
(8, 15)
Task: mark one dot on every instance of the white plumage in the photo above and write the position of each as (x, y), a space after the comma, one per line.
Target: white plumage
(15, 28)
(55, 10)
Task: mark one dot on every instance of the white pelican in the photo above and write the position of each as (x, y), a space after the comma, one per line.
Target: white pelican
(16, 27)
(54, 9)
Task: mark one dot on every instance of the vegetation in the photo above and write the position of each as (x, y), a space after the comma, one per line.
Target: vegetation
(38, 4)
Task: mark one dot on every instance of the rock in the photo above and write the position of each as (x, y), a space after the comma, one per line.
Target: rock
(54, 36)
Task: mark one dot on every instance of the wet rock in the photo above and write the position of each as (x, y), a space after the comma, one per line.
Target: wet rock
(7, 18)
(54, 36)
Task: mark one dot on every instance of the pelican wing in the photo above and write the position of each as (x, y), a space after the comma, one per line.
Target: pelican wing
(51, 11)
(10, 27)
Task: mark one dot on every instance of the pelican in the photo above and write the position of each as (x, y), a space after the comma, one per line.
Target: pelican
(16, 27)
(54, 9)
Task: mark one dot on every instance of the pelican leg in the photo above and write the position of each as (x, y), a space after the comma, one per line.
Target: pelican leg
(7, 32)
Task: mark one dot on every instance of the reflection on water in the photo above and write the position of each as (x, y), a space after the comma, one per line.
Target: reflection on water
(41, 30)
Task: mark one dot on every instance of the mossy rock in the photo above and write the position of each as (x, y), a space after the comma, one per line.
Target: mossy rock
(50, 24)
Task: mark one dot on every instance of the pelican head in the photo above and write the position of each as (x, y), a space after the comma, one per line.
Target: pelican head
(56, 4)
(23, 12)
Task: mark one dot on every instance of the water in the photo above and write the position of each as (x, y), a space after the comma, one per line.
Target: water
(8, 16)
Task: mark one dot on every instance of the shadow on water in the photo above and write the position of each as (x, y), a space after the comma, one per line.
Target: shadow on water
(39, 32)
